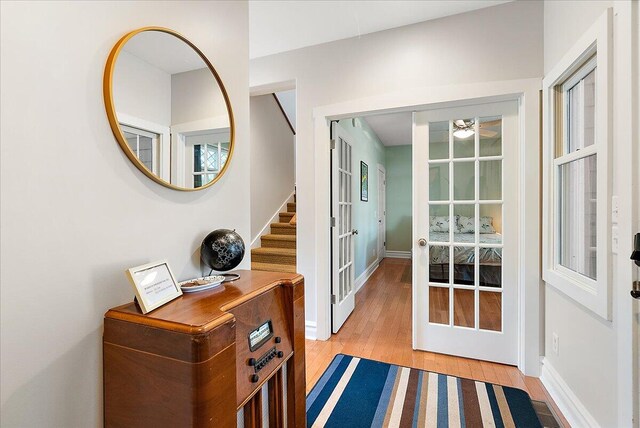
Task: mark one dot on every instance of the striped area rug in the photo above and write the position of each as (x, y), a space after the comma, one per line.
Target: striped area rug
(356, 392)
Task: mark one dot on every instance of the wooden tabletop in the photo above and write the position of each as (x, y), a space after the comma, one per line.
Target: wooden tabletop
(197, 313)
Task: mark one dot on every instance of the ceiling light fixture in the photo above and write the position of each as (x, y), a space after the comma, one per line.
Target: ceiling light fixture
(463, 133)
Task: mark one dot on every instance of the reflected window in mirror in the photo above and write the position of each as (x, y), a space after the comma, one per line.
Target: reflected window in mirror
(144, 144)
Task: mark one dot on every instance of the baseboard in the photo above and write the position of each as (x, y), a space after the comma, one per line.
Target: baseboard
(255, 242)
(571, 407)
(398, 254)
(310, 330)
(362, 278)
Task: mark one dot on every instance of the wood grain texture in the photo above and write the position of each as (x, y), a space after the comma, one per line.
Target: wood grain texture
(380, 329)
(276, 401)
(186, 363)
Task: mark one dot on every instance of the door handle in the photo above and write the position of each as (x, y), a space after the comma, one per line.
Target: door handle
(422, 242)
(635, 291)
(354, 232)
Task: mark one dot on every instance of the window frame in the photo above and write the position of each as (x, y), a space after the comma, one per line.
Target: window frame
(592, 51)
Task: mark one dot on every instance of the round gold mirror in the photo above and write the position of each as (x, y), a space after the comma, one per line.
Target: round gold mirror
(168, 109)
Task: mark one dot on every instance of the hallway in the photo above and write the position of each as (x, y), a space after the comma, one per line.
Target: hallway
(380, 329)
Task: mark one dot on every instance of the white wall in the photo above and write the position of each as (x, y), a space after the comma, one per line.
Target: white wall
(75, 212)
(272, 160)
(492, 44)
(141, 90)
(195, 95)
(591, 348)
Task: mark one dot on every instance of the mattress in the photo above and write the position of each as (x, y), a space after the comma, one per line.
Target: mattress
(464, 255)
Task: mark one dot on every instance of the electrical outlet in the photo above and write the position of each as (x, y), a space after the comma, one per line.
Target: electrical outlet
(615, 209)
(555, 343)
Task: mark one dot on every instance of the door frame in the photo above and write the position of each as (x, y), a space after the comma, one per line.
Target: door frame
(527, 93)
(382, 190)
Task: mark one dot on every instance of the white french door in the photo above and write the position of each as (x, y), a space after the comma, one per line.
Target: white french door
(382, 215)
(465, 288)
(342, 234)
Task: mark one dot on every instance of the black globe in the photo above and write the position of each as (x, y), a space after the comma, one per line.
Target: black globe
(222, 250)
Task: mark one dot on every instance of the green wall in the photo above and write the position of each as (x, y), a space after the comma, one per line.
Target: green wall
(398, 202)
(365, 147)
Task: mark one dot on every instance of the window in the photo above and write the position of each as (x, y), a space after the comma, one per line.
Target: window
(144, 145)
(576, 248)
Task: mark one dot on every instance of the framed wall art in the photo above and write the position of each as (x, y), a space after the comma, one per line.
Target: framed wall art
(364, 182)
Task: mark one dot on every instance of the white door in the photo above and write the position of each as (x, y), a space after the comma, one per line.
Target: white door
(382, 214)
(465, 230)
(342, 234)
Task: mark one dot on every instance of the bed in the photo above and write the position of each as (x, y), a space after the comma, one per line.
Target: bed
(489, 259)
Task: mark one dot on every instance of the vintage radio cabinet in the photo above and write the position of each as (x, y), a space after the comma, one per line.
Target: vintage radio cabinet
(228, 357)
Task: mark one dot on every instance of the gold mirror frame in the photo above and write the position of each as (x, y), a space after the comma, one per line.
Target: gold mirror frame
(113, 118)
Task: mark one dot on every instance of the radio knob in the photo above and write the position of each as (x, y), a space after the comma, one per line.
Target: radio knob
(254, 378)
(278, 339)
(280, 354)
(251, 362)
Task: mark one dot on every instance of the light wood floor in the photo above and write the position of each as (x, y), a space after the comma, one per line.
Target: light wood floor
(380, 329)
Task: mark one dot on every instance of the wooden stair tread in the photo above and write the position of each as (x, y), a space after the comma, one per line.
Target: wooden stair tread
(276, 237)
(287, 225)
(273, 267)
(278, 251)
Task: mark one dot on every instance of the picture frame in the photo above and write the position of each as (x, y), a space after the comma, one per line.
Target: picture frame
(154, 285)
(364, 182)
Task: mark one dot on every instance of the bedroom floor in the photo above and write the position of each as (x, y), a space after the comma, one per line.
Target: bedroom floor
(380, 329)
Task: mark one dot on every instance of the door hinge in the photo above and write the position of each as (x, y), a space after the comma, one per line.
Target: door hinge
(333, 144)
(334, 299)
(333, 222)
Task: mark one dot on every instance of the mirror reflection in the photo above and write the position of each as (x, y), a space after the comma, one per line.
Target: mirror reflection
(172, 116)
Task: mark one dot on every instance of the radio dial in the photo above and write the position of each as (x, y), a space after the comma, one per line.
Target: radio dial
(280, 354)
(254, 378)
(251, 362)
(278, 339)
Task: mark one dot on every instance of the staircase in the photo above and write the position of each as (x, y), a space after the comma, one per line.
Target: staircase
(278, 249)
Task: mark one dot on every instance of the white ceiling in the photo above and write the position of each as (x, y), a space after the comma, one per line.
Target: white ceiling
(392, 129)
(164, 51)
(278, 26)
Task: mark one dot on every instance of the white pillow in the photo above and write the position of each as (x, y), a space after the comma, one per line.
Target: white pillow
(438, 223)
(467, 224)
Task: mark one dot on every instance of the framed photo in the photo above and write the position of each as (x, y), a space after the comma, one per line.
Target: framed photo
(154, 285)
(364, 182)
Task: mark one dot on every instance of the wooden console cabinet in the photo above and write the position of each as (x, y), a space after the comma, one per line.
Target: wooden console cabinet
(195, 362)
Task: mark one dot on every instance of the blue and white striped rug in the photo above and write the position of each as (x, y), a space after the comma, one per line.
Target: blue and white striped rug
(356, 392)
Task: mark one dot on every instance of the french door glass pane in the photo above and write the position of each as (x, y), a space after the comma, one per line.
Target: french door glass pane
(578, 216)
(464, 308)
(463, 138)
(439, 182)
(439, 140)
(491, 136)
(439, 264)
(490, 266)
(464, 181)
(490, 223)
(490, 311)
(464, 265)
(465, 227)
(491, 180)
(439, 305)
(439, 223)
(581, 113)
